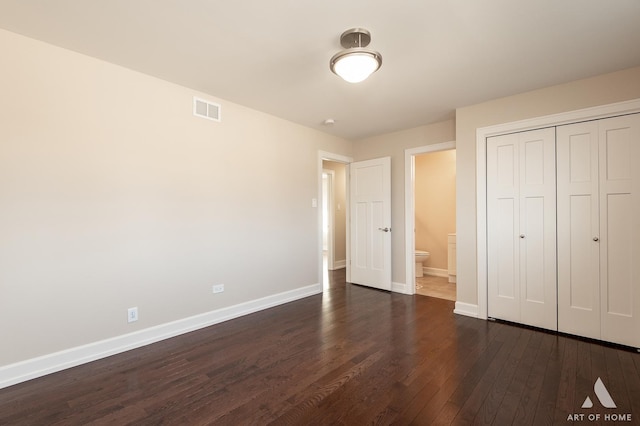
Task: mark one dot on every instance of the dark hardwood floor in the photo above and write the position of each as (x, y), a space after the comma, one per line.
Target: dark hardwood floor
(350, 356)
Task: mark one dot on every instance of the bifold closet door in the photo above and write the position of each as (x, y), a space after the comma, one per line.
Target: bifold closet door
(521, 225)
(578, 229)
(599, 229)
(619, 146)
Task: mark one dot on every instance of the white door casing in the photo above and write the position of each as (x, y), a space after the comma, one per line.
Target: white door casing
(370, 222)
(328, 210)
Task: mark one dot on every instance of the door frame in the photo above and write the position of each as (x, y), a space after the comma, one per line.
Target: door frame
(338, 158)
(410, 207)
(331, 175)
(482, 133)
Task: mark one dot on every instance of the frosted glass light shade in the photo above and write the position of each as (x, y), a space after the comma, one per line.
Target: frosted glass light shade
(357, 65)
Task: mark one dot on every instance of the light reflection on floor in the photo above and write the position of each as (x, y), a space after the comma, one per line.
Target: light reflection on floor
(325, 271)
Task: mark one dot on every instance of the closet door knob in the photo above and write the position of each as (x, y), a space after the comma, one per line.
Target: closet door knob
(521, 235)
(596, 239)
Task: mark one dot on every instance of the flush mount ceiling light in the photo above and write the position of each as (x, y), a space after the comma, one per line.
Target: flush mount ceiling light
(355, 63)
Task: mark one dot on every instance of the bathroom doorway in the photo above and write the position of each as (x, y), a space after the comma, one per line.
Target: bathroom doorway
(430, 220)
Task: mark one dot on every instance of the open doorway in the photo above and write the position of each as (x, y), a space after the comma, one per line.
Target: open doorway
(334, 219)
(430, 220)
(338, 165)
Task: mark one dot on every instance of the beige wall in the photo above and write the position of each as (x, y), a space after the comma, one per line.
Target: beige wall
(609, 88)
(394, 145)
(435, 204)
(339, 209)
(114, 195)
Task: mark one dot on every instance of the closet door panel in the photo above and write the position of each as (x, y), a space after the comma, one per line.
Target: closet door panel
(532, 250)
(618, 247)
(578, 226)
(620, 229)
(538, 228)
(502, 242)
(505, 249)
(583, 267)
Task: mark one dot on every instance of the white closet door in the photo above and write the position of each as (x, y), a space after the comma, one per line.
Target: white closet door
(522, 228)
(503, 213)
(578, 230)
(538, 275)
(619, 139)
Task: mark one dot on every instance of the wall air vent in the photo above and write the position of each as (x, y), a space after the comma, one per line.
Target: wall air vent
(206, 109)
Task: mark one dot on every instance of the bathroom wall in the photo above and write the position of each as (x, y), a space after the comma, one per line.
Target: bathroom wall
(435, 204)
(339, 210)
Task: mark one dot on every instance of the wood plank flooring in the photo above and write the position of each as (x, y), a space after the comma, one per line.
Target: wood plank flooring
(350, 356)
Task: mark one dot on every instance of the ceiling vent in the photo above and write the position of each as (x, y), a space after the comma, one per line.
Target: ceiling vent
(206, 109)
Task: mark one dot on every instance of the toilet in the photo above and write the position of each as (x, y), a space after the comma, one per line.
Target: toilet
(421, 257)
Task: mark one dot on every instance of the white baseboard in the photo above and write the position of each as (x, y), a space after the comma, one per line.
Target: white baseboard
(339, 264)
(399, 288)
(36, 367)
(466, 309)
(436, 272)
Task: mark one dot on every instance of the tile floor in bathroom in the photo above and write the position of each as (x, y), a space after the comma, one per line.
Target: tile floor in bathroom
(439, 287)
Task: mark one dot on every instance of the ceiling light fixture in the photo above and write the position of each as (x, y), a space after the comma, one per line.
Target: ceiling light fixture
(355, 63)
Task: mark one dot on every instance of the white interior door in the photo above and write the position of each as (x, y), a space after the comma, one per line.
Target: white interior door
(578, 230)
(619, 146)
(370, 222)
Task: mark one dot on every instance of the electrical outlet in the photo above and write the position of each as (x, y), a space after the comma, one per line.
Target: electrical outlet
(218, 288)
(132, 314)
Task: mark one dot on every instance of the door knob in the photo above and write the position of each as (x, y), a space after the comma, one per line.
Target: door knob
(521, 235)
(596, 239)
(384, 229)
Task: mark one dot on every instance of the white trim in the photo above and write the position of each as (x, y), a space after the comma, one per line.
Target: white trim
(331, 247)
(339, 264)
(409, 207)
(37, 367)
(466, 309)
(482, 133)
(399, 288)
(329, 156)
(435, 272)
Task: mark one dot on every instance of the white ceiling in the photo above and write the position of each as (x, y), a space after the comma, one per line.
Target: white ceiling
(273, 55)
